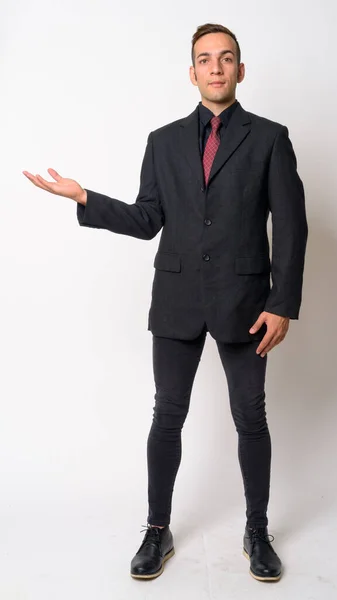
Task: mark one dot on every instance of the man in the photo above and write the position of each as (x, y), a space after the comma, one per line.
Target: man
(209, 181)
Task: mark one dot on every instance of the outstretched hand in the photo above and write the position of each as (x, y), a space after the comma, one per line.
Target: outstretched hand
(68, 188)
(277, 328)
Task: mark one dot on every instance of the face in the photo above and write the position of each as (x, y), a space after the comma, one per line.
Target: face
(216, 60)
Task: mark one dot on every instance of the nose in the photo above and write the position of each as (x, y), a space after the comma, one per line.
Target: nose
(216, 68)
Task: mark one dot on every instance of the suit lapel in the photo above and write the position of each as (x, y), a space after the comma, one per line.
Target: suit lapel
(238, 128)
(189, 144)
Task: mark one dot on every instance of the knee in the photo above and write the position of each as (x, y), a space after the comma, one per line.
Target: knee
(170, 411)
(250, 416)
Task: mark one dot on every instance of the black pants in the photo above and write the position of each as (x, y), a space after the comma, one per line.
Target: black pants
(175, 363)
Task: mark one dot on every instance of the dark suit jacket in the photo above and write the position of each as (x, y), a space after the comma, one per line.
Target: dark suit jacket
(213, 262)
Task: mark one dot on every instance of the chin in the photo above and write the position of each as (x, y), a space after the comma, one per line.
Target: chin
(220, 97)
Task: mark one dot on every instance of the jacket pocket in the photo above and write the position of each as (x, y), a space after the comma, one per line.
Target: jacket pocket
(247, 265)
(167, 261)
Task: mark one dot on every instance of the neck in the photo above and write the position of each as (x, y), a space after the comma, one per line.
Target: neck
(217, 107)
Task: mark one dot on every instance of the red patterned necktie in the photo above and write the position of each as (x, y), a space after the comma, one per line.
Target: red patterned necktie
(211, 147)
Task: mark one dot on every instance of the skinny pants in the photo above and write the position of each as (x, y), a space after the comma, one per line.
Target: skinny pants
(175, 363)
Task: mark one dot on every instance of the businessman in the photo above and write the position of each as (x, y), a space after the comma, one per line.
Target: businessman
(209, 182)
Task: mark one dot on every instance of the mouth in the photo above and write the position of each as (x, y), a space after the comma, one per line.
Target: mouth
(217, 83)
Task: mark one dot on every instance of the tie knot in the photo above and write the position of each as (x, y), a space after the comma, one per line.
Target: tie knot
(215, 123)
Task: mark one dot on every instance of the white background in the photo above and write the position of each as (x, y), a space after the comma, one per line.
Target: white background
(82, 85)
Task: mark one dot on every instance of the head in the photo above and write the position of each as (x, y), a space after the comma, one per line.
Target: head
(216, 56)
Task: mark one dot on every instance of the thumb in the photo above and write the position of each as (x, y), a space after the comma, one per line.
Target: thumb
(54, 174)
(257, 324)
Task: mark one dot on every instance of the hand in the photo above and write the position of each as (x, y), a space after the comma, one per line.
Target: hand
(64, 187)
(277, 328)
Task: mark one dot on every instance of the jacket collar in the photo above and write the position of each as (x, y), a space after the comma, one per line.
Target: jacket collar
(205, 114)
(238, 128)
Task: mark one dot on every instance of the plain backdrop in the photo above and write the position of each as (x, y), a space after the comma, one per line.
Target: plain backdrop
(82, 85)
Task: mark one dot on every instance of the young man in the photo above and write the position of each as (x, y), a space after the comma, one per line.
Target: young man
(209, 181)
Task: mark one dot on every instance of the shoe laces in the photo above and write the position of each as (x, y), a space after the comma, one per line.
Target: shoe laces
(259, 533)
(151, 536)
(149, 527)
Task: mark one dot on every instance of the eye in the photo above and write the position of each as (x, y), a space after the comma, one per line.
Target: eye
(203, 60)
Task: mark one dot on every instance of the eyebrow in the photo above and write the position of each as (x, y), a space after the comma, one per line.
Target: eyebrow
(210, 54)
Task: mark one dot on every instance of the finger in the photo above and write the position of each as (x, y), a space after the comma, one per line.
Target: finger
(34, 180)
(264, 342)
(274, 342)
(48, 185)
(54, 174)
(267, 349)
(258, 323)
(30, 176)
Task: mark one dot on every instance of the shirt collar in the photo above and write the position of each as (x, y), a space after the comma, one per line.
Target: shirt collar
(205, 114)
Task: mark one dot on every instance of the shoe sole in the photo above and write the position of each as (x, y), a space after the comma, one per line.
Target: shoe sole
(276, 578)
(157, 573)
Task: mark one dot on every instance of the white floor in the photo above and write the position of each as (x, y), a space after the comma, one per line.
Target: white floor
(82, 549)
(74, 493)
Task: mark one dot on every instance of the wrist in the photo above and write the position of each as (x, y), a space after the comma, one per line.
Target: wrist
(83, 198)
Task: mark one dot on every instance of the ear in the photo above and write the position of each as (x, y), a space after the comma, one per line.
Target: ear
(193, 76)
(241, 72)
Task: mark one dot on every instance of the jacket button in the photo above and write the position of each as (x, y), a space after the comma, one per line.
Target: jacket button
(206, 256)
(202, 189)
(208, 222)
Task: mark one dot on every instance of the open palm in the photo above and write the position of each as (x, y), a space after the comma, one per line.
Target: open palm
(62, 186)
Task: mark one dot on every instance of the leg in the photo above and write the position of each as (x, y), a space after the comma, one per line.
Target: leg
(245, 372)
(175, 363)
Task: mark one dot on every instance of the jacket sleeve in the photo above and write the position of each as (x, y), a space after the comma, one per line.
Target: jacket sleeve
(143, 219)
(289, 229)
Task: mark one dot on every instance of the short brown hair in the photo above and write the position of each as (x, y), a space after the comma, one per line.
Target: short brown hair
(214, 28)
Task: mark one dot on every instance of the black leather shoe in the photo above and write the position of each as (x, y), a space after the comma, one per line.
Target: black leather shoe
(156, 548)
(265, 565)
